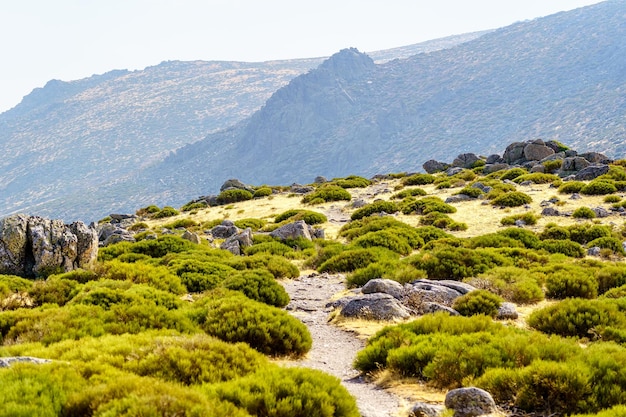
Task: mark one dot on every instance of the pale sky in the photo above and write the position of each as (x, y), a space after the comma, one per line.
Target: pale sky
(73, 39)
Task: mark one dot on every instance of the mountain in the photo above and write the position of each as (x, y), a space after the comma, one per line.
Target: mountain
(68, 142)
(561, 77)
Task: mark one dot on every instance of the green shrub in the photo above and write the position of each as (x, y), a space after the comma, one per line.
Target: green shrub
(309, 217)
(554, 232)
(608, 242)
(380, 206)
(138, 226)
(514, 284)
(426, 205)
(611, 276)
(361, 227)
(571, 283)
(375, 270)
(411, 192)
(444, 185)
(194, 205)
(566, 247)
(441, 221)
(538, 178)
(233, 196)
(617, 411)
(584, 213)
(157, 248)
(386, 239)
(10, 284)
(185, 223)
(528, 218)
(352, 181)
(478, 302)
(325, 194)
(258, 285)
(431, 233)
(266, 329)
(571, 187)
(585, 232)
(146, 211)
(53, 290)
(254, 224)
(612, 198)
(513, 173)
(552, 166)
(167, 211)
(262, 192)
(492, 240)
(472, 192)
(275, 248)
(577, 317)
(353, 259)
(512, 199)
(285, 392)
(141, 273)
(418, 179)
(599, 187)
(456, 263)
(199, 275)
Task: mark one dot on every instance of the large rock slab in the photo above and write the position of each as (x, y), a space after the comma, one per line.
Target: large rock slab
(36, 246)
(385, 286)
(470, 402)
(377, 306)
(591, 172)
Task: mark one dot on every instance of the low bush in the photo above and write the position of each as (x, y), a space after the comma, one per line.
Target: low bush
(198, 274)
(309, 217)
(599, 187)
(352, 181)
(380, 206)
(194, 205)
(262, 192)
(528, 218)
(258, 285)
(611, 276)
(10, 284)
(233, 196)
(184, 223)
(538, 178)
(166, 211)
(54, 290)
(584, 213)
(571, 187)
(158, 277)
(276, 391)
(269, 330)
(514, 284)
(584, 233)
(456, 263)
(472, 192)
(353, 259)
(477, 302)
(411, 192)
(552, 166)
(426, 205)
(325, 194)
(566, 247)
(387, 238)
(274, 247)
(554, 232)
(361, 227)
(612, 198)
(375, 270)
(513, 173)
(253, 224)
(431, 233)
(148, 210)
(418, 179)
(577, 317)
(608, 242)
(441, 221)
(138, 226)
(570, 283)
(512, 199)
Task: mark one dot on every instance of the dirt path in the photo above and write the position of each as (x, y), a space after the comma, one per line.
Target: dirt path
(334, 349)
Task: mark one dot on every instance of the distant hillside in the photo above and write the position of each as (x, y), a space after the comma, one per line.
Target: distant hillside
(65, 142)
(561, 77)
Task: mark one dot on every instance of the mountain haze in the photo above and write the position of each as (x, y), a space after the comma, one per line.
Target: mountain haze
(67, 142)
(562, 77)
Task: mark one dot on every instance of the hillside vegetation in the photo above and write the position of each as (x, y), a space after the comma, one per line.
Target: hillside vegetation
(165, 326)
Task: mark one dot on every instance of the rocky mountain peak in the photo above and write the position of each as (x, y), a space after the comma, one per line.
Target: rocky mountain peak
(348, 64)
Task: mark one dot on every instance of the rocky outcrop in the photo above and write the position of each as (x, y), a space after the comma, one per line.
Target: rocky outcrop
(385, 286)
(234, 183)
(225, 230)
(10, 360)
(465, 160)
(470, 402)
(240, 240)
(425, 410)
(110, 233)
(433, 166)
(295, 230)
(36, 246)
(376, 306)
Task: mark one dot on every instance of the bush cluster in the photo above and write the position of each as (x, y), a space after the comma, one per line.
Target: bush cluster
(233, 196)
(352, 181)
(309, 217)
(325, 194)
(379, 206)
(512, 199)
(418, 179)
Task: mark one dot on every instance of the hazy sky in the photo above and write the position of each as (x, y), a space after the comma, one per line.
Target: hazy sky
(73, 39)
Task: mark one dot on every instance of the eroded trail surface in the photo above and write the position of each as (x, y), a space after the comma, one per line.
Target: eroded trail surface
(334, 349)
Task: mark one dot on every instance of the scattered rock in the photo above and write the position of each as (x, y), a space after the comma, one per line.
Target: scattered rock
(385, 286)
(494, 159)
(537, 151)
(240, 240)
(591, 172)
(35, 246)
(550, 211)
(234, 183)
(358, 203)
(301, 189)
(458, 198)
(320, 180)
(465, 160)
(293, 230)
(10, 360)
(594, 251)
(192, 237)
(601, 212)
(425, 410)
(495, 167)
(507, 311)
(470, 402)
(225, 230)
(433, 166)
(432, 308)
(375, 307)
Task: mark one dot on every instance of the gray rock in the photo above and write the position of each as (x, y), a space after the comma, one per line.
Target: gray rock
(594, 251)
(591, 172)
(595, 158)
(235, 183)
(293, 230)
(301, 189)
(574, 164)
(458, 198)
(461, 287)
(320, 180)
(240, 240)
(358, 203)
(192, 237)
(35, 246)
(10, 360)
(433, 166)
(385, 286)
(507, 311)
(538, 168)
(432, 308)
(120, 236)
(514, 152)
(537, 151)
(494, 159)
(550, 211)
(495, 167)
(470, 402)
(453, 171)
(224, 231)
(575, 196)
(601, 212)
(425, 410)
(465, 160)
(375, 307)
